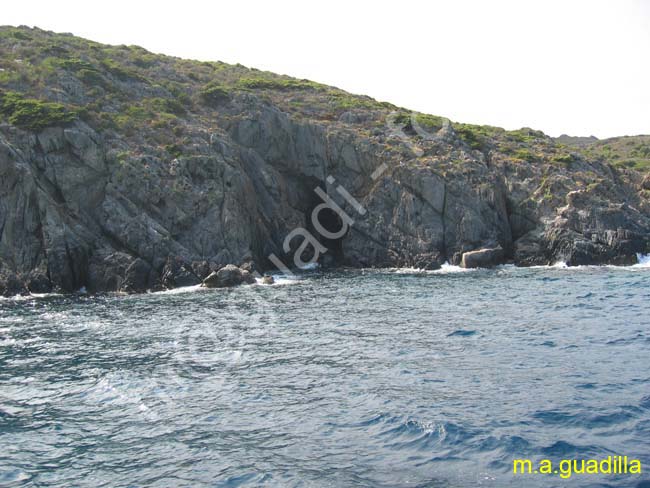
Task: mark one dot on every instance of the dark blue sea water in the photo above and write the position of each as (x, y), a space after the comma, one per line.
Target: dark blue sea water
(351, 378)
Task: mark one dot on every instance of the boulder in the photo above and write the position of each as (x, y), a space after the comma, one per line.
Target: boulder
(201, 269)
(248, 266)
(107, 269)
(483, 258)
(138, 278)
(177, 272)
(247, 277)
(229, 275)
(38, 282)
(528, 250)
(10, 285)
(211, 281)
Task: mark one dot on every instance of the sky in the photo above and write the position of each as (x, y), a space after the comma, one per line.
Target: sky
(571, 66)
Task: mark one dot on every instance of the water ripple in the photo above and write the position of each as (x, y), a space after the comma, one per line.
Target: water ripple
(358, 378)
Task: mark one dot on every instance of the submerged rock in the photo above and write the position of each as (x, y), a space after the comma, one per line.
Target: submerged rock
(268, 280)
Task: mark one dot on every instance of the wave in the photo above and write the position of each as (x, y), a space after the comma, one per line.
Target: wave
(281, 279)
(446, 268)
(643, 261)
(179, 290)
(405, 432)
(31, 296)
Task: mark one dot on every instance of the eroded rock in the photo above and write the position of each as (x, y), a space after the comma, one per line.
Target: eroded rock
(483, 258)
(228, 276)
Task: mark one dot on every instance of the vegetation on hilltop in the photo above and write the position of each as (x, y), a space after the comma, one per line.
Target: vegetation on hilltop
(49, 79)
(627, 151)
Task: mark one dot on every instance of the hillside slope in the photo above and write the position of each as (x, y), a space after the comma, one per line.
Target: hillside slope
(125, 170)
(626, 151)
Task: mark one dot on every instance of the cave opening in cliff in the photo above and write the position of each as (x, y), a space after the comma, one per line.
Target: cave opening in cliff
(330, 221)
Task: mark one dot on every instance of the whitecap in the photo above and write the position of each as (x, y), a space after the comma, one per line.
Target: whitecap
(179, 290)
(643, 261)
(405, 270)
(45, 295)
(280, 279)
(16, 298)
(447, 268)
(31, 296)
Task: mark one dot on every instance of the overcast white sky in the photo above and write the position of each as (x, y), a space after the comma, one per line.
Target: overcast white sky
(577, 67)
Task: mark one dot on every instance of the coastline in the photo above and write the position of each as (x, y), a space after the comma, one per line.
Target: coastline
(284, 280)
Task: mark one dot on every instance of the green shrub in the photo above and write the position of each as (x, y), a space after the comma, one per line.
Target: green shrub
(75, 64)
(54, 49)
(278, 84)
(138, 113)
(471, 137)
(430, 122)
(477, 136)
(174, 150)
(213, 93)
(526, 155)
(641, 151)
(166, 105)
(91, 77)
(402, 118)
(17, 34)
(32, 114)
(637, 164)
(177, 91)
(563, 158)
(8, 76)
(122, 73)
(345, 101)
(165, 121)
(525, 135)
(144, 60)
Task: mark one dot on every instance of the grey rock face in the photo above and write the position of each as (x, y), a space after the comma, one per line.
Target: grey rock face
(139, 277)
(645, 184)
(102, 211)
(177, 273)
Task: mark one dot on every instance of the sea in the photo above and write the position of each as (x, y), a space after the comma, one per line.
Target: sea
(369, 378)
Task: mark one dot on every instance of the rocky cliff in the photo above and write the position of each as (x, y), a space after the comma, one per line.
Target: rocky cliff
(125, 170)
